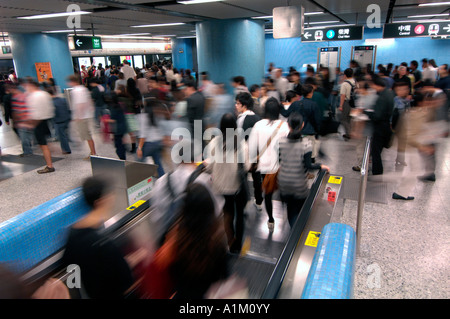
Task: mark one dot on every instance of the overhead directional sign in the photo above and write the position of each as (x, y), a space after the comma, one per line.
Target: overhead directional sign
(87, 43)
(333, 34)
(407, 30)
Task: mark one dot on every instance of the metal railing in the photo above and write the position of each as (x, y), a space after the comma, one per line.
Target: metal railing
(362, 192)
(278, 274)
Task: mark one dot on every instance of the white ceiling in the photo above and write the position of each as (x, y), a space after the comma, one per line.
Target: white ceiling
(111, 17)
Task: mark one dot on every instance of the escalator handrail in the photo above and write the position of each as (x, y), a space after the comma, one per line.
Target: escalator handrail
(107, 232)
(278, 274)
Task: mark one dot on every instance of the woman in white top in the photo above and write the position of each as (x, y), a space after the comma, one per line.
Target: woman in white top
(270, 128)
(150, 136)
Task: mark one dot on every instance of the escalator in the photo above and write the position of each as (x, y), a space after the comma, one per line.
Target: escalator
(276, 265)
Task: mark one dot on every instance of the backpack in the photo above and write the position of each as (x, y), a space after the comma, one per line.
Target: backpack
(352, 100)
(171, 215)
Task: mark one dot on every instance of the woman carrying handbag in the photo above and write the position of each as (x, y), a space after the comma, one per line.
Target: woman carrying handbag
(263, 147)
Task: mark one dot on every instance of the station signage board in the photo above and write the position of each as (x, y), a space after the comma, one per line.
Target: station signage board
(343, 33)
(6, 49)
(408, 30)
(87, 43)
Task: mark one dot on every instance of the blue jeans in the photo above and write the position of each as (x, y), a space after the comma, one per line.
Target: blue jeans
(61, 131)
(26, 137)
(153, 149)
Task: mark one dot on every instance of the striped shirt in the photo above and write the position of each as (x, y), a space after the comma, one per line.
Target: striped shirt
(20, 111)
(292, 179)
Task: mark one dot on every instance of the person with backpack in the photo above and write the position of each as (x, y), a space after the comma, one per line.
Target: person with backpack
(98, 96)
(167, 194)
(227, 160)
(312, 116)
(347, 102)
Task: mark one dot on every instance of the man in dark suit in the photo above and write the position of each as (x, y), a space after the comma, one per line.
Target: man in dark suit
(195, 104)
(380, 118)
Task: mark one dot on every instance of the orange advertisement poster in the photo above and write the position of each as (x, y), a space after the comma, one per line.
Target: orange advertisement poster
(43, 71)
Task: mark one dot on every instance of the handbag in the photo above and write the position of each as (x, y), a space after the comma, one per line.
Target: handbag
(270, 184)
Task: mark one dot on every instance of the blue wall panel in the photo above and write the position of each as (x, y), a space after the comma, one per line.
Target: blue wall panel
(292, 52)
(28, 49)
(182, 53)
(228, 48)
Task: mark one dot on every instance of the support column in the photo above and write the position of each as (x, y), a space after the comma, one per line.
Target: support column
(28, 49)
(182, 53)
(229, 48)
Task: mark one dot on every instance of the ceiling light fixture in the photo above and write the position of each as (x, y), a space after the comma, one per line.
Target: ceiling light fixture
(420, 21)
(434, 4)
(130, 34)
(263, 17)
(54, 15)
(324, 22)
(429, 15)
(156, 25)
(330, 26)
(198, 1)
(313, 13)
(64, 31)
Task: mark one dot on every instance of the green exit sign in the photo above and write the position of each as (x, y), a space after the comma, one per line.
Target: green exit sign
(6, 49)
(96, 43)
(87, 43)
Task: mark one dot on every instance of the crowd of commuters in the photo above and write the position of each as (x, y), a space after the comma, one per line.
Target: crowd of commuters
(199, 209)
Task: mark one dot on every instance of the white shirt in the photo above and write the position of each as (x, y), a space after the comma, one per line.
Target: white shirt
(429, 73)
(41, 105)
(282, 86)
(242, 116)
(82, 105)
(346, 89)
(147, 131)
(261, 132)
(128, 72)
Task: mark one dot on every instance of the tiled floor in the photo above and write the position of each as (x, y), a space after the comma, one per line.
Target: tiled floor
(404, 248)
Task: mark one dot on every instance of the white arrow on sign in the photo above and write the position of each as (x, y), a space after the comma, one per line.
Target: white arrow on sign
(447, 28)
(307, 35)
(79, 43)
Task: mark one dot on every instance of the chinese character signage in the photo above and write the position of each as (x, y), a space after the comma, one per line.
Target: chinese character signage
(402, 30)
(333, 34)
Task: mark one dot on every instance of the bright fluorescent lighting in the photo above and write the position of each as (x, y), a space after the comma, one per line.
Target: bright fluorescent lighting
(429, 15)
(313, 13)
(330, 26)
(156, 25)
(187, 37)
(197, 1)
(421, 21)
(131, 37)
(63, 31)
(54, 15)
(434, 4)
(129, 34)
(263, 17)
(165, 35)
(324, 22)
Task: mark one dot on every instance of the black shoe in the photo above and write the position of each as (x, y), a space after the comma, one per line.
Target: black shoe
(397, 196)
(356, 168)
(428, 178)
(133, 148)
(346, 137)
